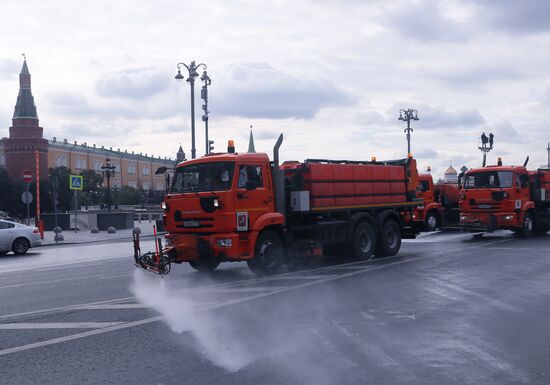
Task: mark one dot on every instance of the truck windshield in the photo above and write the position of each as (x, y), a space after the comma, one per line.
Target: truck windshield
(213, 176)
(489, 179)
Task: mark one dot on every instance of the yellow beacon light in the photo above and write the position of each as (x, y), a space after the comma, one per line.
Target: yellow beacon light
(231, 146)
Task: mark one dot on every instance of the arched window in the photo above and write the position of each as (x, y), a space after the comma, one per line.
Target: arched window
(132, 184)
(97, 165)
(145, 170)
(131, 168)
(146, 185)
(61, 161)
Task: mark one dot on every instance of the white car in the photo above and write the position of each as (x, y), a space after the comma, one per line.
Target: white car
(17, 237)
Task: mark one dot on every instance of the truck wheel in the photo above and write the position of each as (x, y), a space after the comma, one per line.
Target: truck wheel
(269, 254)
(205, 265)
(390, 239)
(527, 227)
(432, 221)
(364, 241)
(20, 246)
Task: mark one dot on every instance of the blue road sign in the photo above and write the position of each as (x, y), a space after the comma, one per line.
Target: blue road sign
(75, 182)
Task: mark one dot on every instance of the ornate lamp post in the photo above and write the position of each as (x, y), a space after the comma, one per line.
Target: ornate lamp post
(485, 145)
(204, 96)
(108, 172)
(407, 116)
(192, 70)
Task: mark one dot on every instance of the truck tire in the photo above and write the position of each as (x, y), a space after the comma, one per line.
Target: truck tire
(269, 254)
(364, 241)
(432, 221)
(527, 226)
(389, 242)
(20, 246)
(205, 265)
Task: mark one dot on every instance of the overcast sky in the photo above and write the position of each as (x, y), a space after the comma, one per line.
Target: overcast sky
(330, 75)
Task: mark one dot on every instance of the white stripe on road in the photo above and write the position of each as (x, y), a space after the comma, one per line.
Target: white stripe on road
(206, 307)
(77, 336)
(114, 307)
(58, 325)
(64, 279)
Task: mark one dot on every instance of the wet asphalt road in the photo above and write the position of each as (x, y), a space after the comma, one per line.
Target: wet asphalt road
(449, 309)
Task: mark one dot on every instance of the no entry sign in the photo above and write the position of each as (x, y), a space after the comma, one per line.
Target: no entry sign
(27, 176)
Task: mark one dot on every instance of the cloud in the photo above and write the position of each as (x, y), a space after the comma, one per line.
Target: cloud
(475, 74)
(425, 21)
(426, 153)
(504, 131)
(133, 84)
(9, 68)
(436, 117)
(258, 90)
(525, 17)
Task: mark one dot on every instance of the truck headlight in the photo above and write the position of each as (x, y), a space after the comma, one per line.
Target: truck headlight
(508, 217)
(163, 205)
(225, 242)
(463, 218)
(217, 203)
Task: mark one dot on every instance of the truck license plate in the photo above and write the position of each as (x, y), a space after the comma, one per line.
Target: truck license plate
(191, 223)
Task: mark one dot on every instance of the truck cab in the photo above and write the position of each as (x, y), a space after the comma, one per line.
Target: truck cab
(440, 206)
(497, 197)
(215, 206)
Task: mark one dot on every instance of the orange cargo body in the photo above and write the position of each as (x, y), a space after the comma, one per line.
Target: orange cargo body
(363, 189)
(319, 181)
(347, 185)
(344, 185)
(397, 183)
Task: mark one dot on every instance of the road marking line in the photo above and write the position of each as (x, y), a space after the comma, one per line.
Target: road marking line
(75, 278)
(114, 306)
(238, 289)
(58, 325)
(63, 308)
(217, 305)
(77, 336)
(319, 276)
(116, 276)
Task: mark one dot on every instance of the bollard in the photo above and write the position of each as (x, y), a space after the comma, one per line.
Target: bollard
(111, 230)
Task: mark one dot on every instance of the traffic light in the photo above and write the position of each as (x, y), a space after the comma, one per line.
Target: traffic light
(210, 146)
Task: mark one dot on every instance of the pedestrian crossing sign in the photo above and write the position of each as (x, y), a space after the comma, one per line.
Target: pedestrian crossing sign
(75, 182)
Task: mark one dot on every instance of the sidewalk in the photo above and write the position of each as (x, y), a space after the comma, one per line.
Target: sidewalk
(85, 236)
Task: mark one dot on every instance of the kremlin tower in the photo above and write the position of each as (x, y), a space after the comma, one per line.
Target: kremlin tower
(25, 135)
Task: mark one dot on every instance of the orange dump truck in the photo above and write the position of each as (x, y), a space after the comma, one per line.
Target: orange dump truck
(242, 207)
(506, 197)
(440, 208)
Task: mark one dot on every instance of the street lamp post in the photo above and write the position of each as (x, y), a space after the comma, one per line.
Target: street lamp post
(407, 116)
(204, 96)
(485, 145)
(108, 171)
(192, 70)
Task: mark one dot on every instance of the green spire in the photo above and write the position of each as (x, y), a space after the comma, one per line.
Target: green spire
(25, 108)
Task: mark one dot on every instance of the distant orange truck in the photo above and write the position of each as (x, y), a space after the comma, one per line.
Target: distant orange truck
(506, 197)
(440, 208)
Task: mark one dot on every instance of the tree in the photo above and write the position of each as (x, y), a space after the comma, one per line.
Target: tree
(129, 196)
(7, 192)
(64, 195)
(92, 187)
